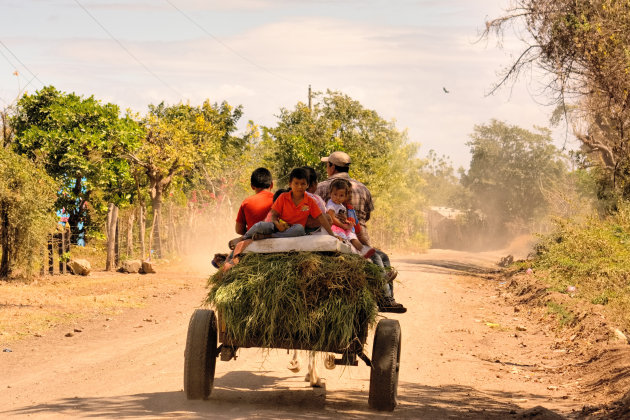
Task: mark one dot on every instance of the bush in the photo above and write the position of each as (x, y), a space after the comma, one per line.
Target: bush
(594, 257)
(27, 197)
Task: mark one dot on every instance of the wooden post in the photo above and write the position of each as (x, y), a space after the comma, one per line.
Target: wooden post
(60, 251)
(130, 222)
(117, 246)
(142, 221)
(112, 218)
(68, 239)
(51, 266)
(42, 261)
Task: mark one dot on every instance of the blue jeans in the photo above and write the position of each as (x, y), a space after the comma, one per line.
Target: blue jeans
(382, 260)
(268, 228)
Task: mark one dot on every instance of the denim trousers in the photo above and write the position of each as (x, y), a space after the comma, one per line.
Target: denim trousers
(268, 228)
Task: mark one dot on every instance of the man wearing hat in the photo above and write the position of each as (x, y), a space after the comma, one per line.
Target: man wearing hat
(337, 166)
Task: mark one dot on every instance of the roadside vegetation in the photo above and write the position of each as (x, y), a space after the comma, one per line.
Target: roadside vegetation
(590, 260)
(579, 49)
(178, 172)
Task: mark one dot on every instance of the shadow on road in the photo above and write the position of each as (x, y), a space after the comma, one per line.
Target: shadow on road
(438, 266)
(261, 398)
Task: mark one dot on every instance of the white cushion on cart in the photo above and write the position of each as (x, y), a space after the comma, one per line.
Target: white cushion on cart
(308, 243)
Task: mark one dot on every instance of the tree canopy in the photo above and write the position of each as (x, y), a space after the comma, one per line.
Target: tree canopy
(508, 170)
(583, 47)
(382, 158)
(82, 144)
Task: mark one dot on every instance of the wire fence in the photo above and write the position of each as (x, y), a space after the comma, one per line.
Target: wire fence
(182, 230)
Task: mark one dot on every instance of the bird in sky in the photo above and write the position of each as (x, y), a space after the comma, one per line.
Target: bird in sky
(445, 90)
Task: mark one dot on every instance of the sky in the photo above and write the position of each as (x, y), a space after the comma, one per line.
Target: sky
(396, 57)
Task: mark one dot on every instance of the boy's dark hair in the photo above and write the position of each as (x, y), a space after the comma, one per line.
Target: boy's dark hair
(280, 191)
(340, 184)
(261, 178)
(312, 175)
(298, 173)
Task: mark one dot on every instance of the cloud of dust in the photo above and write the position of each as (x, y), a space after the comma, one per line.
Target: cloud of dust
(208, 234)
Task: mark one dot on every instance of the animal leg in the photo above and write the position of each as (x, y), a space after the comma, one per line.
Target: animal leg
(312, 375)
(294, 364)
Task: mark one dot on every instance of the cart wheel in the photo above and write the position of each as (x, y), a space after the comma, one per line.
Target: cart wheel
(200, 357)
(385, 365)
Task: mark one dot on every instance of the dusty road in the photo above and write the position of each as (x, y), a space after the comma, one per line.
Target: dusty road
(462, 357)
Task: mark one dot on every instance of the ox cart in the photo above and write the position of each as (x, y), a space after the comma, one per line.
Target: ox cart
(209, 339)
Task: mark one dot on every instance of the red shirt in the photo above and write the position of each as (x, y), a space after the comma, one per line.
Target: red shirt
(293, 214)
(254, 208)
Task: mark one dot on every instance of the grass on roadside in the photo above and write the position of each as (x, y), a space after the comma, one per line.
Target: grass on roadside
(591, 261)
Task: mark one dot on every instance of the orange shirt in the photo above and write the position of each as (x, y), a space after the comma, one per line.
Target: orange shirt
(293, 214)
(254, 208)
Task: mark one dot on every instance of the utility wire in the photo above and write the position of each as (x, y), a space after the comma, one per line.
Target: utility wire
(227, 47)
(19, 61)
(127, 50)
(20, 91)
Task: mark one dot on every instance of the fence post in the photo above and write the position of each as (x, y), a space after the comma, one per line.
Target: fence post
(60, 249)
(117, 245)
(112, 218)
(42, 261)
(51, 267)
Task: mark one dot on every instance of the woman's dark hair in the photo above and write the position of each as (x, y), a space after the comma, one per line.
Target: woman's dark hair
(312, 175)
(261, 178)
(280, 191)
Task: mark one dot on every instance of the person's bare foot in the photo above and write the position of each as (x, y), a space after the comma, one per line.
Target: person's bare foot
(232, 244)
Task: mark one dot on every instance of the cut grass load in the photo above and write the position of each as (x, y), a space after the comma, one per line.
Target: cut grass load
(303, 298)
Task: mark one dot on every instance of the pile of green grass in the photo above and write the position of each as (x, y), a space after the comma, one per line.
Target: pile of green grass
(304, 299)
(593, 256)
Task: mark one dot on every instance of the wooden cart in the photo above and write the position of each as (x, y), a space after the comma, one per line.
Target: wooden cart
(208, 339)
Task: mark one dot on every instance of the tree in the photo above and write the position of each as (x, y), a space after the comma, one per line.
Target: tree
(27, 197)
(190, 143)
(382, 158)
(582, 47)
(509, 168)
(82, 144)
(442, 186)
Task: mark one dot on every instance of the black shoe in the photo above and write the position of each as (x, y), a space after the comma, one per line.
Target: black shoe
(390, 305)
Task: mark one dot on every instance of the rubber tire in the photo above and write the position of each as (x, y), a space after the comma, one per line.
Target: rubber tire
(200, 356)
(385, 365)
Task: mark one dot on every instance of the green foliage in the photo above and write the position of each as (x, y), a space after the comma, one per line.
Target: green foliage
(298, 298)
(194, 142)
(27, 197)
(382, 159)
(509, 169)
(442, 187)
(565, 316)
(82, 144)
(594, 257)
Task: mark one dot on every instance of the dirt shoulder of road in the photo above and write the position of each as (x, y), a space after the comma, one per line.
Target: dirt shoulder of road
(33, 308)
(590, 353)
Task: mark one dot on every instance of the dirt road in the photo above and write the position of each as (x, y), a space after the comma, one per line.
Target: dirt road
(464, 355)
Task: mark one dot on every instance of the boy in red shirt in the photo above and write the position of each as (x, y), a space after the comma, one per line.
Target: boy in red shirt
(254, 208)
(290, 212)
